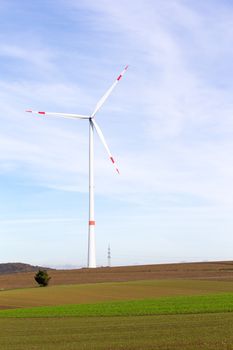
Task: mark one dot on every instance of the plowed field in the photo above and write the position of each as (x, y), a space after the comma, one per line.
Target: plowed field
(207, 271)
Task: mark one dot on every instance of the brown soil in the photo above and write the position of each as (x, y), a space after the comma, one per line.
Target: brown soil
(207, 270)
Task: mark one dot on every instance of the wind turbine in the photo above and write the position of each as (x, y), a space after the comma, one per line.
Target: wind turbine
(91, 263)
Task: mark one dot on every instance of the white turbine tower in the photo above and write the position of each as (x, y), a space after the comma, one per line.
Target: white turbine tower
(92, 125)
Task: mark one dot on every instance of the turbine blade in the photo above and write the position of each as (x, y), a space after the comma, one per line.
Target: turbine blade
(101, 136)
(60, 115)
(108, 92)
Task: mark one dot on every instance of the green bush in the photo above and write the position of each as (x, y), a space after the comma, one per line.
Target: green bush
(42, 278)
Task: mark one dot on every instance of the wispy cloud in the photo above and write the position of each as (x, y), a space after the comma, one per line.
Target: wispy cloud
(184, 118)
(187, 115)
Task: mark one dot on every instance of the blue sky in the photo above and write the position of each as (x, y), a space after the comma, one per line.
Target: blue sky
(169, 124)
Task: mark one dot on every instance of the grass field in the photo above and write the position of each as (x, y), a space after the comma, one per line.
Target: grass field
(188, 322)
(215, 303)
(158, 314)
(173, 332)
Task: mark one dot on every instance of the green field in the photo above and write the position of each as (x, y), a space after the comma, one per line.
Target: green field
(161, 306)
(155, 314)
(173, 332)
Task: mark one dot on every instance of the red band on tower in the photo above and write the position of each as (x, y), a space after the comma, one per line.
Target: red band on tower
(91, 222)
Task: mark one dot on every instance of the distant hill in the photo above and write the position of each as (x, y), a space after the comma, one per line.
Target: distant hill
(18, 267)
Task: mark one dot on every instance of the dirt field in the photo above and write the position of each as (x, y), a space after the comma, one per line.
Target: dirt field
(114, 291)
(207, 271)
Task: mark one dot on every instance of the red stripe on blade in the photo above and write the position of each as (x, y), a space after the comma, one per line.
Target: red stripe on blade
(112, 160)
(41, 112)
(92, 222)
(119, 77)
(29, 111)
